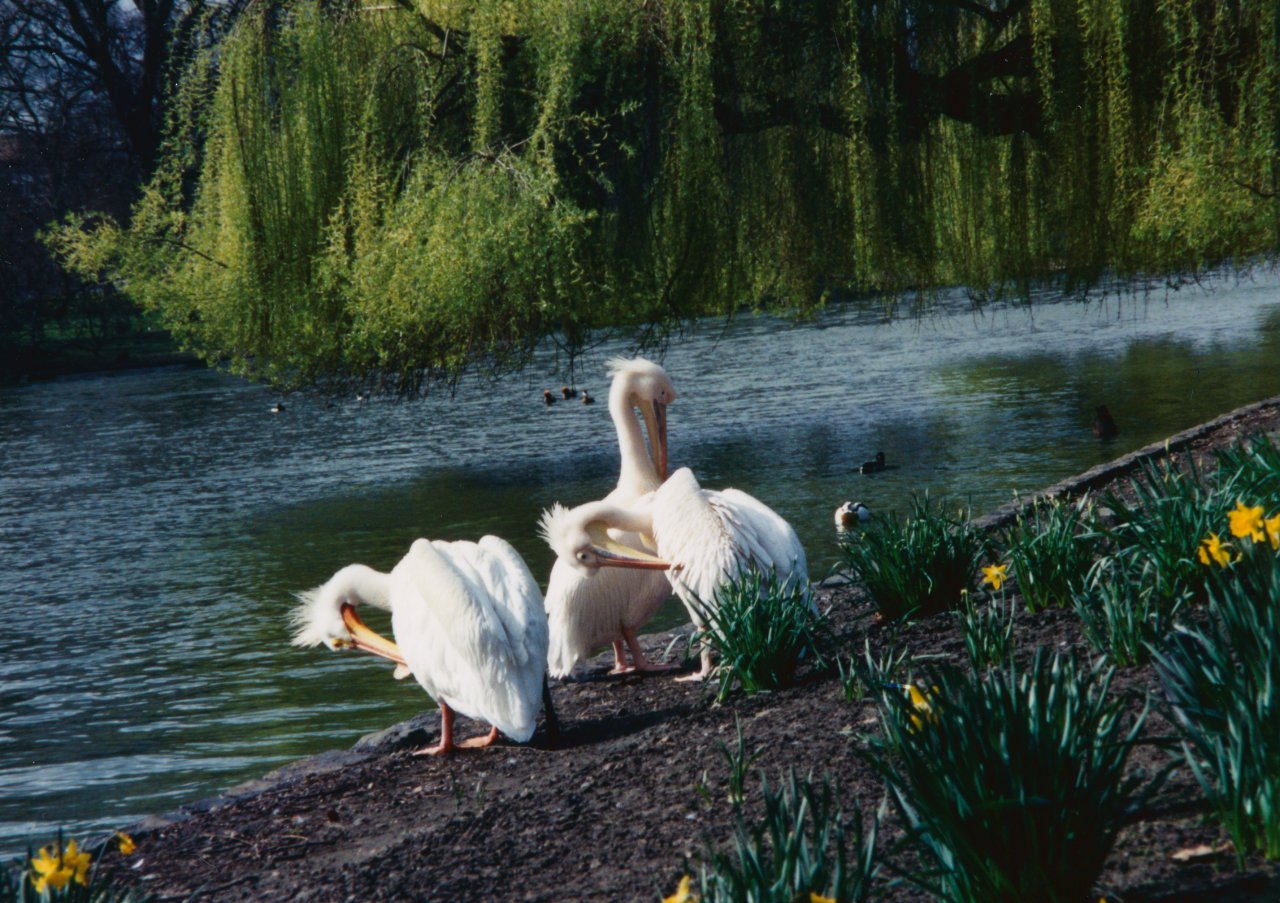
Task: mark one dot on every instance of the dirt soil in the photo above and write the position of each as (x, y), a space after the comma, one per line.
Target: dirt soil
(615, 810)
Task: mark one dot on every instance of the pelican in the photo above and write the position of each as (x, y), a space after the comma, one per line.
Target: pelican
(850, 514)
(586, 611)
(468, 623)
(706, 538)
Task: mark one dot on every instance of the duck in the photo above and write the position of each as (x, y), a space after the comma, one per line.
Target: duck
(566, 393)
(547, 398)
(587, 399)
(875, 465)
(850, 514)
(1104, 425)
(277, 407)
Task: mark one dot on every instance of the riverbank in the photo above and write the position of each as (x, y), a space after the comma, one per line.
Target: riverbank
(637, 783)
(55, 359)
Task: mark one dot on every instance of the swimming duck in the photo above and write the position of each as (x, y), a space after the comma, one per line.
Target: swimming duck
(1104, 425)
(566, 393)
(875, 465)
(547, 398)
(587, 399)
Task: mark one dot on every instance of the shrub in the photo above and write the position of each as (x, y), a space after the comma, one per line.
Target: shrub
(1121, 611)
(1223, 681)
(1051, 550)
(759, 630)
(919, 567)
(1012, 784)
(802, 845)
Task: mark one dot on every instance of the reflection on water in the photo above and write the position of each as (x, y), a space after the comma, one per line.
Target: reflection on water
(157, 523)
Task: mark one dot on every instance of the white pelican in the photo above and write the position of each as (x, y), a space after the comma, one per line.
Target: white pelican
(588, 610)
(468, 623)
(850, 514)
(707, 538)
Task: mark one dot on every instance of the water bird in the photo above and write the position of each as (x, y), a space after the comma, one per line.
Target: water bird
(706, 537)
(587, 611)
(277, 408)
(362, 397)
(547, 398)
(587, 399)
(875, 465)
(566, 393)
(1104, 425)
(850, 514)
(468, 624)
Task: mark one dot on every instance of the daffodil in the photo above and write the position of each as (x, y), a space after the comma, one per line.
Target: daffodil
(125, 844)
(1214, 551)
(924, 709)
(682, 894)
(54, 869)
(1272, 526)
(1246, 522)
(995, 575)
(818, 898)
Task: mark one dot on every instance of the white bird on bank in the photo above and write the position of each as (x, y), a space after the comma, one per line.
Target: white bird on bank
(850, 514)
(707, 538)
(586, 611)
(468, 623)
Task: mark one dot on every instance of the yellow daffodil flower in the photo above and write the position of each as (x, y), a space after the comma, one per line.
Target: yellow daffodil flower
(682, 894)
(125, 844)
(78, 861)
(995, 575)
(1246, 522)
(924, 708)
(1214, 551)
(818, 898)
(48, 871)
(1272, 526)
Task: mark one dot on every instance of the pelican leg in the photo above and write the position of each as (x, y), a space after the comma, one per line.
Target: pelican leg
(446, 744)
(549, 714)
(619, 659)
(637, 655)
(480, 742)
(702, 673)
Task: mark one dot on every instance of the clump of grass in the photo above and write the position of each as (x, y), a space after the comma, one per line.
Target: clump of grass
(1121, 610)
(1012, 784)
(1254, 469)
(1051, 550)
(759, 629)
(802, 845)
(1223, 681)
(1162, 527)
(987, 628)
(918, 567)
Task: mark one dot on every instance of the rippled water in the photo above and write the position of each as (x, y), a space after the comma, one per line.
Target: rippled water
(155, 524)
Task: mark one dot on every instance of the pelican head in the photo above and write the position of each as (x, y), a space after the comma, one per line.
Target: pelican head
(580, 536)
(639, 383)
(326, 615)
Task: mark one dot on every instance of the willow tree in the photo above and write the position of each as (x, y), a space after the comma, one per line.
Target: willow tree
(405, 188)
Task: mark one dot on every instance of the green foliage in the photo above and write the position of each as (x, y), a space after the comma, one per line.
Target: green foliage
(402, 191)
(802, 845)
(1253, 468)
(759, 629)
(1010, 783)
(738, 762)
(1050, 550)
(1223, 681)
(1121, 610)
(987, 628)
(62, 873)
(1172, 511)
(919, 567)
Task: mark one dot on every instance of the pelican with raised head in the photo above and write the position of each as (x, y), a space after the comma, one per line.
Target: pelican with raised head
(468, 623)
(587, 611)
(706, 538)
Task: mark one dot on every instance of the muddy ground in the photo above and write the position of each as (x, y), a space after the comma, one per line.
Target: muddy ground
(636, 787)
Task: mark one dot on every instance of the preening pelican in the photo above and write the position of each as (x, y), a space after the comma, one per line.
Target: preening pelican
(586, 611)
(468, 623)
(706, 537)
